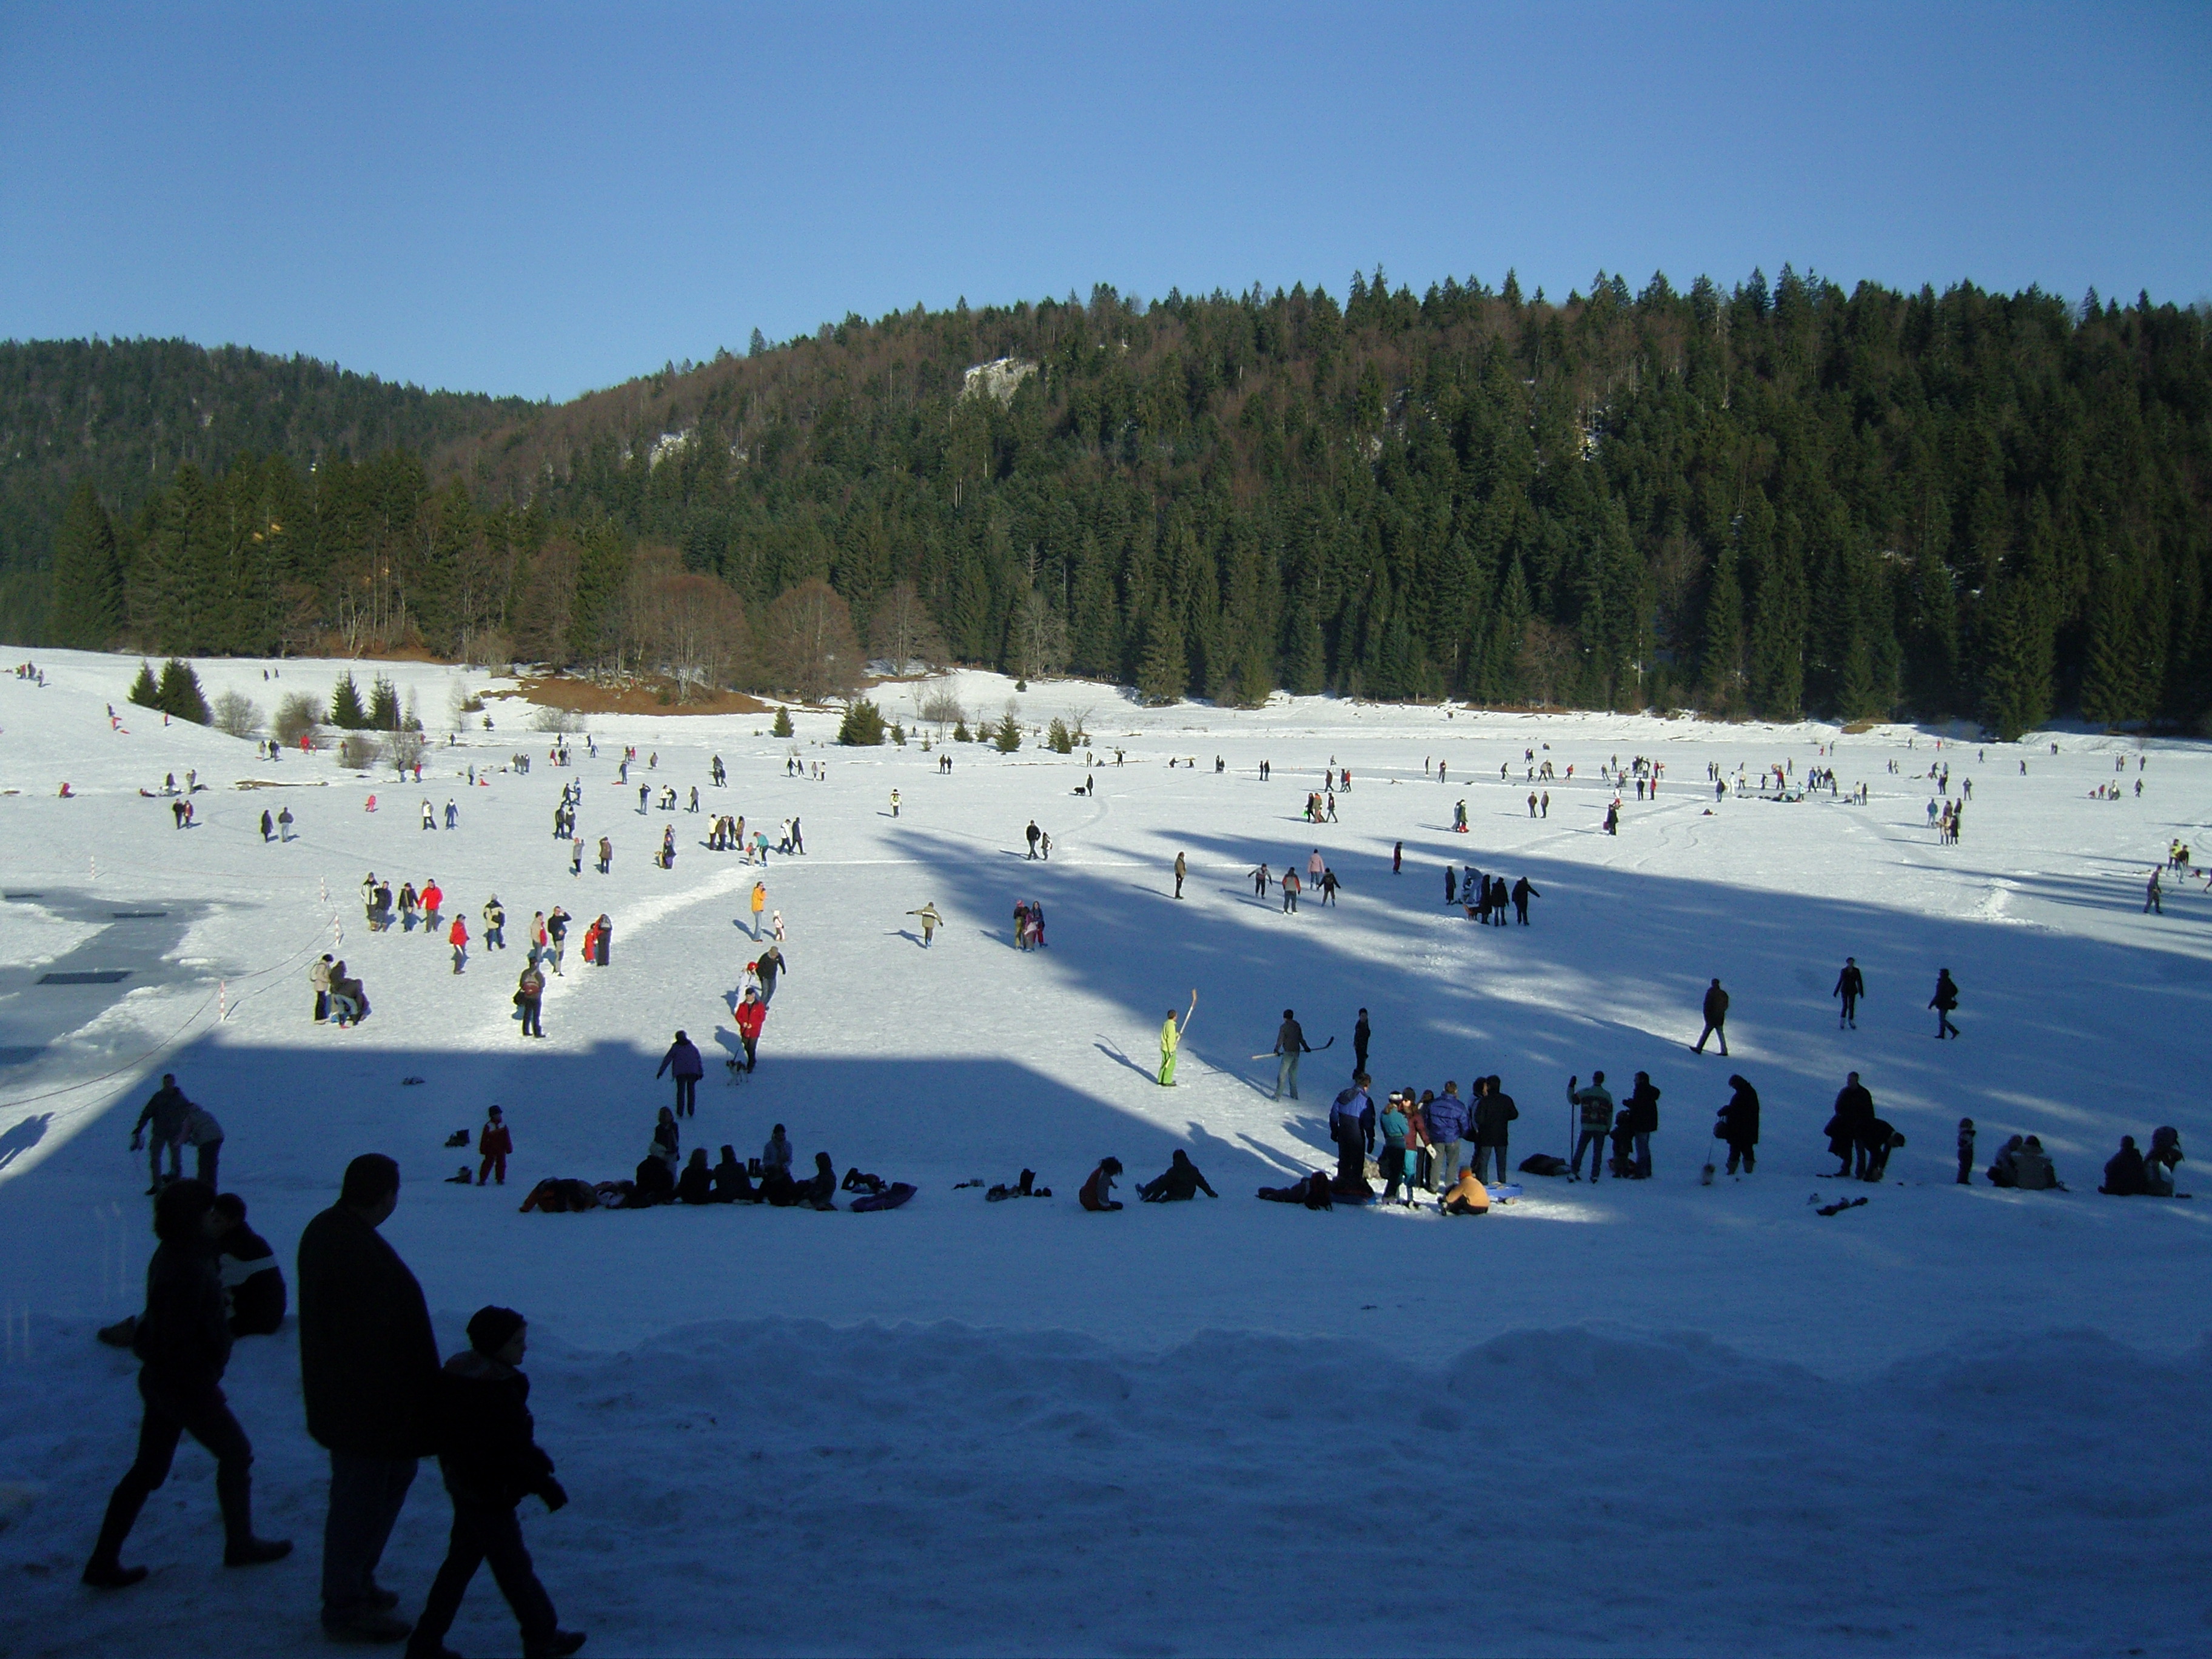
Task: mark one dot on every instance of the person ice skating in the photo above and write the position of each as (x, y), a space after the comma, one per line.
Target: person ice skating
(1290, 1043)
(1362, 1034)
(1642, 1105)
(1594, 1106)
(1033, 832)
(1180, 870)
(683, 1059)
(770, 965)
(2123, 1172)
(252, 1283)
(1490, 1121)
(1260, 880)
(459, 938)
(164, 1113)
(1522, 892)
(1290, 887)
(530, 998)
(494, 1143)
(2152, 897)
(489, 1455)
(452, 814)
(495, 921)
(183, 1342)
(1715, 1009)
(931, 921)
(1351, 1126)
(751, 1015)
(1176, 1184)
(1850, 986)
(1854, 1110)
(1738, 1125)
(1945, 999)
(1172, 1040)
(369, 1368)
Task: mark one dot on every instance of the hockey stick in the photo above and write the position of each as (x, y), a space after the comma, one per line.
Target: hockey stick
(1276, 1054)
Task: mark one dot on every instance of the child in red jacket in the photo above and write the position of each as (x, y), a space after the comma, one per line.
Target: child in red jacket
(495, 1143)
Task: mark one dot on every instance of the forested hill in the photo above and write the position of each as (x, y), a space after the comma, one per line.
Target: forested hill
(126, 414)
(1767, 498)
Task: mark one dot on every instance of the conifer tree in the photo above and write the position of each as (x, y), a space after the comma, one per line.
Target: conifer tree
(383, 705)
(180, 695)
(346, 710)
(87, 608)
(146, 691)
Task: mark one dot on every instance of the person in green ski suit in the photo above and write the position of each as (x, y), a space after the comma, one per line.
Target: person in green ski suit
(1171, 1039)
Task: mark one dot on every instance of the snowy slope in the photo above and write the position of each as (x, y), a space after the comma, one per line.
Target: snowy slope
(1026, 1428)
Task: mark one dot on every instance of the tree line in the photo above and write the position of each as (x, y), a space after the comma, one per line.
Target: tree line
(1768, 500)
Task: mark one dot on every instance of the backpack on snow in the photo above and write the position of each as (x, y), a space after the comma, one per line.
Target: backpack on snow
(1543, 1164)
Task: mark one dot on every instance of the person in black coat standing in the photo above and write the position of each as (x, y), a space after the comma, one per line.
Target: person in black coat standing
(1716, 1011)
(1362, 1034)
(1642, 1103)
(1854, 1111)
(183, 1345)
(489, 1453)
(1850, 986)
(1739, 1125)
(1945, 999)
(683, 1057)
(1493, 1114)
(368, 1365)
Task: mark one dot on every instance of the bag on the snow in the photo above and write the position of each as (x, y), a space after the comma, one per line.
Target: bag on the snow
(1543, 1164)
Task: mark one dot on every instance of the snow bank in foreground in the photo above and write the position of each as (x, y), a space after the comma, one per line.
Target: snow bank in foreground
(782, 1486)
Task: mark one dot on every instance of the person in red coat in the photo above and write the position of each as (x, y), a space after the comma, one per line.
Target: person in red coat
(495, 1143)
(459, 938)
(752, 1014)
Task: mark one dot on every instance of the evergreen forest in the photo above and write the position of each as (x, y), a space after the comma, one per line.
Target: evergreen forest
(1767, 499)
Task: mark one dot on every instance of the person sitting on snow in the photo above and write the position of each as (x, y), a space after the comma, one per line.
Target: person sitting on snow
(2000, 1169)
(1179, 1182)
(731, 1184)
(2123, 1175)
(2161, 1164)
(1097, 1193)
(818, 1189)
(1312, 1192)
(2031, 1169)
(1468, 1196)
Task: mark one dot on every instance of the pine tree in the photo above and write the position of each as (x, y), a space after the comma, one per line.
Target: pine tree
(346, 710)
(2015, 653)
(1165, 674)
(146, 691)
(180, 695)
(383, 705)
(2112, 688)
(87, 608)
(1009, 734)
(782, 726)
(1721, 672)
(863, 725)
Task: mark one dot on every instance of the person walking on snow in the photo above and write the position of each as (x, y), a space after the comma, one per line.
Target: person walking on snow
(1945, 999)
(1739, 1125)
(1291, 887)
(1850, 986)
(1362, 1034)
(1522, 892)
(1594, 1105)
(283, 825)
(758, 903)
(1033, 832)
(1181, 869)
(751, 1015)
(530, 998)
(931, 921)
(268, 824)
(459, 938)
(770, 964)
(1172, 1040)
(432, 896)
(1314, 867)
(429, 817)
(1290, 1043)
(1717, 1007)
(452, 814)
(495, 920)
(2152, 896)
(683, 1058)
(895, 803)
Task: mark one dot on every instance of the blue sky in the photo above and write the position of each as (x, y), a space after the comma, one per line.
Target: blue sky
(545, 200)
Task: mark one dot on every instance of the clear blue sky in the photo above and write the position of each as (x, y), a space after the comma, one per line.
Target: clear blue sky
(545, 200)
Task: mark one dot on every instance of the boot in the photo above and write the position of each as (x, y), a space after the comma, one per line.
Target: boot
(255, 1552)
(110, 1574)
(233, 1489)
(105, 1570)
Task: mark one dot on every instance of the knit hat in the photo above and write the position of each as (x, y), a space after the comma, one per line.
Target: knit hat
(491, 1329)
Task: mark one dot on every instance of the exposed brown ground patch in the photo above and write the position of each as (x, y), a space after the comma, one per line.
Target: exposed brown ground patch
(582, 696)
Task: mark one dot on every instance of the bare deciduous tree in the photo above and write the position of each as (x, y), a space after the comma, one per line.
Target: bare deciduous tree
(906, 635)
(1040, 639)
(688, 626)
(809, 641)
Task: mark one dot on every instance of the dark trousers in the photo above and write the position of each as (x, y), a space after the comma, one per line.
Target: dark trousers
(322, 1006)
(167, 1419)
(530, 1027)
(1748, 1154)
(1644, 1153)
(1712, 1031)
(1966, 1170)
(1850, 1014)
(1352, 1159)
(752, 1056)
(210, 1154)
(687, 1097)
(1496, 1154)
(1596, 1140)
(367, 1494)
(486, 1533)
(1943, 1026)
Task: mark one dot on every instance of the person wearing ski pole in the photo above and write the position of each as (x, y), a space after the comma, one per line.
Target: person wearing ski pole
(1171, 1039)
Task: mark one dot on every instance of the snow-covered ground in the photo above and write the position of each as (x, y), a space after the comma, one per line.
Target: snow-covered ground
(1648, 1417)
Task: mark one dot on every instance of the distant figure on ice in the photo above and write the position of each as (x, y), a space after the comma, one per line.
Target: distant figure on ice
(1945, 999)
(931, 921)
(1850, 986)
(1717, 1007)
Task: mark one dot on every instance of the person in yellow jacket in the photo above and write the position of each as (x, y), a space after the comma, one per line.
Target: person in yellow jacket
(1171, 1037)
(760, 903)
(1468, 1196)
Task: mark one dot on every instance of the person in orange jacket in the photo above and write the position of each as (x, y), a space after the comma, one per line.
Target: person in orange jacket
(459, 938)
(752, 1014)
(493, 1141)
